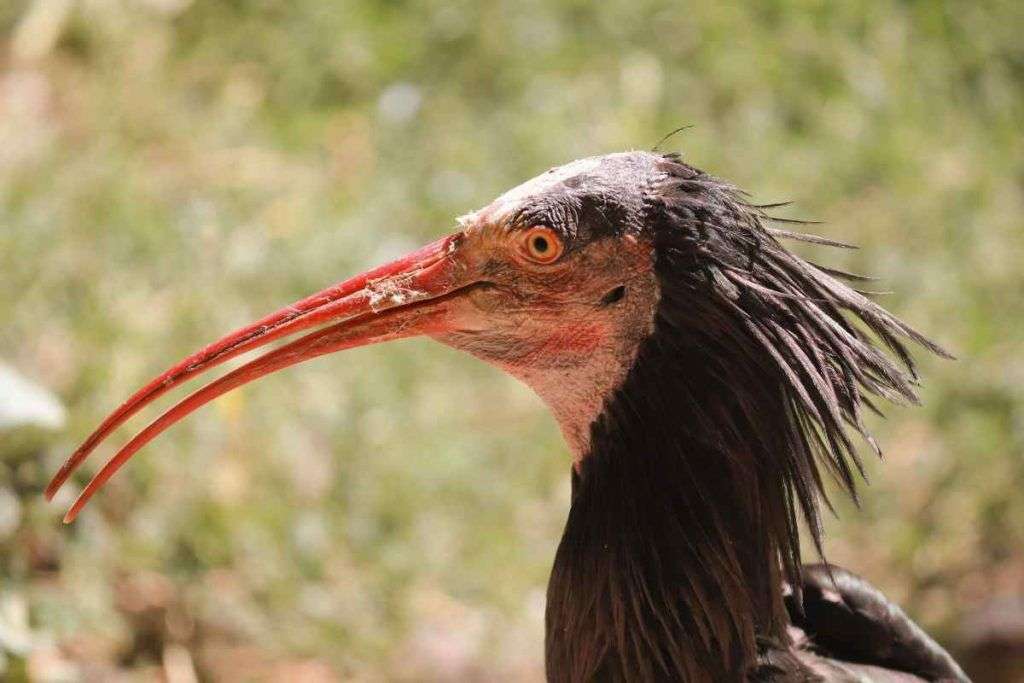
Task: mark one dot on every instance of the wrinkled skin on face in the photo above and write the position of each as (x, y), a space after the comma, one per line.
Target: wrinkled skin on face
(567, 318)
(569, 329)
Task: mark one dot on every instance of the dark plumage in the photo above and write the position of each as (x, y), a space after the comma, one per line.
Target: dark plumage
(843, 616)
(684, 519)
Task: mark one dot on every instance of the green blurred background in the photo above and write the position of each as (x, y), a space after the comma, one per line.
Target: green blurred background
(170, 170)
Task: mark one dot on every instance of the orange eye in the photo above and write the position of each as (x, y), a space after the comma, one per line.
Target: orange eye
(541, 245)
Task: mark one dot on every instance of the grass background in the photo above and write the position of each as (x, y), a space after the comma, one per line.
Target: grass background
(170, 170)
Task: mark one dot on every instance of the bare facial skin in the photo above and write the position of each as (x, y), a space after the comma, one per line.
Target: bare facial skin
(552, 282)
(568, 329)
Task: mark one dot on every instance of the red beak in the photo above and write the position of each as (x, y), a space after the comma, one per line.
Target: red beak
(404, 298)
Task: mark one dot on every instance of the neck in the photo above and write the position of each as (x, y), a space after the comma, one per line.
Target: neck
(670, 563)
(684, 516)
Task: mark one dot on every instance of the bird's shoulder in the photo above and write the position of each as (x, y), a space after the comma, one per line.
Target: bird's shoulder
(843, 617)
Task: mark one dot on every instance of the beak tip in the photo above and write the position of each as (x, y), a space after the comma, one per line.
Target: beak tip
(59, 478)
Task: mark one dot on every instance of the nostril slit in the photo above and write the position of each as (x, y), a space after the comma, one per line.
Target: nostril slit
(614, 295)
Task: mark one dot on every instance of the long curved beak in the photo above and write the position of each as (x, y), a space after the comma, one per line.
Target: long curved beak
(404, 298)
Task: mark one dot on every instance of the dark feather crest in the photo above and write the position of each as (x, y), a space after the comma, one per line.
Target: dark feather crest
(685, 514)
(718, 259)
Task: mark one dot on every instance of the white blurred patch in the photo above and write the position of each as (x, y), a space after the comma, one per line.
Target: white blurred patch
(40, 29)
(24, 404)
(27, 130)
(399, 103)
(10, 512)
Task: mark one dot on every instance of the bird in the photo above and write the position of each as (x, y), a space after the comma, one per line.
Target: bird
(708, 381)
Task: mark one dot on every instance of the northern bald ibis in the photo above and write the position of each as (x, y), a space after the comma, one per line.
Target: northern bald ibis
(707, 381)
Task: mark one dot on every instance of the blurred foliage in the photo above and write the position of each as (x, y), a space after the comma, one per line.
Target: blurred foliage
(172, 169)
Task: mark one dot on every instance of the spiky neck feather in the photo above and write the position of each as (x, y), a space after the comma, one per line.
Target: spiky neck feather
(684, 515)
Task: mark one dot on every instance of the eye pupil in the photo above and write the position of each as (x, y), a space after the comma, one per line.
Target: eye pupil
(540, 244)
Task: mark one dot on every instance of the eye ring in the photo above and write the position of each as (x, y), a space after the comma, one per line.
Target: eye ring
(541, 244)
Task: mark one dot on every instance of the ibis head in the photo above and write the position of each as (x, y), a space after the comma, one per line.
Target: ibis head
(553, 282)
